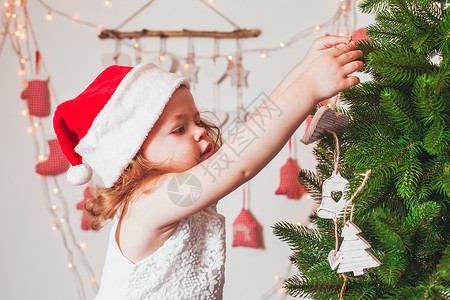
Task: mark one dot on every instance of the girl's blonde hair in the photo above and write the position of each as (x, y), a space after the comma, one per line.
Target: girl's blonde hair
(139, 177)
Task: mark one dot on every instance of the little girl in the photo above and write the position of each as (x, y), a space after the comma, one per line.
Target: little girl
(161, 167)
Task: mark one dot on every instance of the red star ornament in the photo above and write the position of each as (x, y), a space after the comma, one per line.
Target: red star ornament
(85, 217)
(238, 75)
(289, 184)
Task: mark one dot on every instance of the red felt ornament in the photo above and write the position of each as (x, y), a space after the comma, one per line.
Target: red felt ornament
(360, 34)
(37, 93)
(85, 217)
(245, 229)
(289, 184)
(56, 162)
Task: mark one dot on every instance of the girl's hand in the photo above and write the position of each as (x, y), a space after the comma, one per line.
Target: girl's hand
(328, 74)
(319, 47)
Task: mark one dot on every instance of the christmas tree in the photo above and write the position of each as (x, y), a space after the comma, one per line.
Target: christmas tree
(400, 130)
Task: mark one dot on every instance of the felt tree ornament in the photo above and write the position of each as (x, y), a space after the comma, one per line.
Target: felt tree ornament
(324, 119)
(354, 256)
(56, 162)
(37, 96)
(289, 184)
(85, 217)
(245, 229)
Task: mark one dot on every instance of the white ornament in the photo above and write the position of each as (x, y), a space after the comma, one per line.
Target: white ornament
(334, 258)
(334, 197)
(166, 61)
(324, 118)
(238, 75)
(354, 256)
(189, 70)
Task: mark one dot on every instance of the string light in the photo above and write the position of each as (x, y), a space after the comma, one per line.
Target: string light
(56, 190)
(76, 18)
(211, 1)
(282, 45)
(162, 57)
(41, 157)
(22, 36)
(8, 14)
(93, 280)
(23, 60)
(107, 2)
(308, 196)
(69, 265)
(24, 112)
(277, 277)
(62, 220)
(36, 124)
(186, 66)
(17, 33)
(82, 245)
(229, 57)
(136, 45)
(49, 16)
(299, 224)
(21, 72)
(53, 207)
(54, 228)
(317, 27)
(18, 3)
(6, 4)
(263, 54)
(14, 16)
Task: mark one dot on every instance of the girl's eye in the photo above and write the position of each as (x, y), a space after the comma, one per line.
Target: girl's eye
(200, 124)
(179, 130)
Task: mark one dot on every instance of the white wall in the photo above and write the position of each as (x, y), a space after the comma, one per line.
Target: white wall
(32, 257)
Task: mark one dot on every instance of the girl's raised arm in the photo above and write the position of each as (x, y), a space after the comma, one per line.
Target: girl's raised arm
(257, 141)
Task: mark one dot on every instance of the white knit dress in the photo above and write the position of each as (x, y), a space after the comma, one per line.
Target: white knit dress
(190, 265)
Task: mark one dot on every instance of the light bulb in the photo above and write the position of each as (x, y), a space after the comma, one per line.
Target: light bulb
(23, 60)
(344, 7)
(6, 4)
(263, 54)
(317, 27)
(62, 220)
(93, 280)
(69, 265)
(22, 36)
(54, 228)
(53, 207)
(107, 2)
(277, 277)
(162, 57)
(136, 45)
(18, 2)
(36, 124)
(56, 190)
(76, 18)
(24, 113)
(230, 57)
(282, 45)
(299, 224)
(308, 197)
(41, 157)
(17, 33)
(82, 245)
(49, 16)
(14, 16)
(186, 66)
(8, 14)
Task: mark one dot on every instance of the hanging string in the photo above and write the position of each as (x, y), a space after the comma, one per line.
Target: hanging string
(243, 196)
(336, 248)
(341, 293)
(135, 14)
(366, 177)
(38, 57)
(290, 147)
(336, 152)
(220, 14)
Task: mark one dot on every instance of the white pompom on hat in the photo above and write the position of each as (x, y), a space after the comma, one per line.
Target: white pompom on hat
(104, 127)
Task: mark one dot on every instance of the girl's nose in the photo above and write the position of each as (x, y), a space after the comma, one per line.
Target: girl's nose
(200, 133)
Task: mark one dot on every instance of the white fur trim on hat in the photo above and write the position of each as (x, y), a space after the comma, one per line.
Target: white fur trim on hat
(78, 175)
(118, 131)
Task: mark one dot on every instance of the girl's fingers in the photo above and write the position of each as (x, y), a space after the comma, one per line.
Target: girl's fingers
(352, 67)
(330, 41)
(350, 81)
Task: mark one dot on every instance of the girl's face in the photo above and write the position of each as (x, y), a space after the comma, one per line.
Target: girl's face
(178, 138)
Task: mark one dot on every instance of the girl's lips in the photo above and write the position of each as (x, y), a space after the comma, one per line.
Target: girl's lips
(207, 151)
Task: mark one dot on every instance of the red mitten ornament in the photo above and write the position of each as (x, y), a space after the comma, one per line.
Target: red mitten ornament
(37, 96)
(289, 184)
(86, 217)
(359, 34)
(244, 230)
(56, 163)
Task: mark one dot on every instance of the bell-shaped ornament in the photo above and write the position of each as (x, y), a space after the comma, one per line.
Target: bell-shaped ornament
(334, 197)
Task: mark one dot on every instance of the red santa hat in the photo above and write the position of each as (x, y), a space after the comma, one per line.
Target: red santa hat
(104, 127)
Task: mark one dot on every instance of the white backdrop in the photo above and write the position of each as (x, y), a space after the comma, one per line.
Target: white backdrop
(32, 257)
